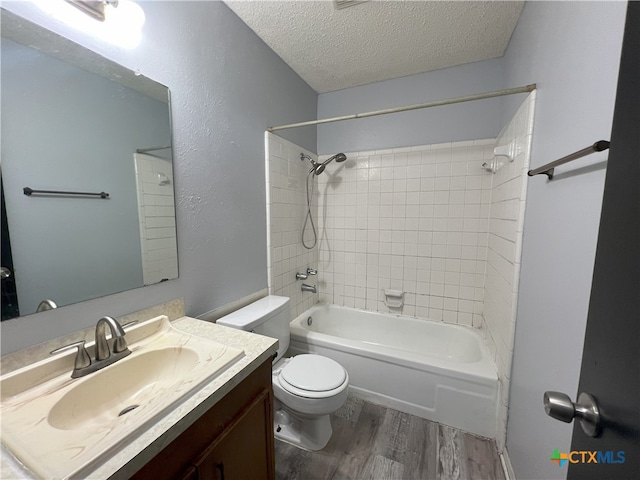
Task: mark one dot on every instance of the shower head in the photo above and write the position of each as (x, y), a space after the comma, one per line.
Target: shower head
(318, 168)
(338, 157)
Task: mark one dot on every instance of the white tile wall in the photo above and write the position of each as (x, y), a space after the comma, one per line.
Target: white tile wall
(156, 212)
(503, 260)
(286, 209)
(411, 219)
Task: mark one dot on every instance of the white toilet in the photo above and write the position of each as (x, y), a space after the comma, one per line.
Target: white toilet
(307, 388)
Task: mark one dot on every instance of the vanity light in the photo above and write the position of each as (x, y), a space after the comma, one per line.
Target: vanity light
(116, 21)
(94, 8)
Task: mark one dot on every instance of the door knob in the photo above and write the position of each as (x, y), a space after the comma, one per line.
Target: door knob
(559, 406)
(6, 273)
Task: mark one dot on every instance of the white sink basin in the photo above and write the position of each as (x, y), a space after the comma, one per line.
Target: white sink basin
(113, 392)
(58, 426)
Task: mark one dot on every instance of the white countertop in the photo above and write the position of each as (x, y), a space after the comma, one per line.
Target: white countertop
(149, 443)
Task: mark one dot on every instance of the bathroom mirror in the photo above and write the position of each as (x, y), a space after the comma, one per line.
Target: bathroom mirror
(77, 123)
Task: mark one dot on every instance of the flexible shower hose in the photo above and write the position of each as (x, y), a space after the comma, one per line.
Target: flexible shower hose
(309, 217)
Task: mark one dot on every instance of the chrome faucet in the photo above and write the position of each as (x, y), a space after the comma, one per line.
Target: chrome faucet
(117, 333)
(308, 288)
(106, 352)
(46, 305)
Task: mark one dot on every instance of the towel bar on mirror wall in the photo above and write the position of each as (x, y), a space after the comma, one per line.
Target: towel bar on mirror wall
(29, 191)
(547, 169)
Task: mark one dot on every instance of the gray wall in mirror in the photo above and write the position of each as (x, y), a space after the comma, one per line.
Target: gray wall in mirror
(65, 128)
(227, 87)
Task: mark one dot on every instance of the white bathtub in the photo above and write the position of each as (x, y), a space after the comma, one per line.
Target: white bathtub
(431, 369)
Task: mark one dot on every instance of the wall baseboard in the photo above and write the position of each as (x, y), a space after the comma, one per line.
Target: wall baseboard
(509, 474)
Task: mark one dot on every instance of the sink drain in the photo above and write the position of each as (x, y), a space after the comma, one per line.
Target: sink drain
(128, 409)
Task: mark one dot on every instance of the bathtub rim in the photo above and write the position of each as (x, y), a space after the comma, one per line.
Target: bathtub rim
(482, 372)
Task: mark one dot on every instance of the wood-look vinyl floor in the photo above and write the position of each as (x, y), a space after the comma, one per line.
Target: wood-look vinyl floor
(371, 442)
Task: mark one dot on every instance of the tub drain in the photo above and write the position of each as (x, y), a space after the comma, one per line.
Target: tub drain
(128, 409)
(309, 321)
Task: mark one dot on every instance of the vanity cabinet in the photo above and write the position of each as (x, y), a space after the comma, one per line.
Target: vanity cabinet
(233, 440)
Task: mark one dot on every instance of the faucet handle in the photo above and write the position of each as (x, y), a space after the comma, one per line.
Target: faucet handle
(128, 324)
(83, 360)
(311, 271)
(120, 343)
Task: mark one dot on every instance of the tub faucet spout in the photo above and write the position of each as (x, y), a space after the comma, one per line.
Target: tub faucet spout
(308, 288)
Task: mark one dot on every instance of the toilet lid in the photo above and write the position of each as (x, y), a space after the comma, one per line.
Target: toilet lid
(313, 373)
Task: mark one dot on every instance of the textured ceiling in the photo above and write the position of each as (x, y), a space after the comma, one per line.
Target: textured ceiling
(377, 40)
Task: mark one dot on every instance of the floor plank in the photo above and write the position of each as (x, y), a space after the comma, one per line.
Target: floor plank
(365, 430)
(349, 468)
(482, 458)
(393, 435)
(452, 459)
(420, 462)
(378, 443)
(379, 467)
(291, 462)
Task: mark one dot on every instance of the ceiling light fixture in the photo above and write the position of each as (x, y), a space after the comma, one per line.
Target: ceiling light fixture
(93, 8)
(120, 21)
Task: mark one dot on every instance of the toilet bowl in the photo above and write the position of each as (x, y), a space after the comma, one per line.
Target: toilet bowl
(307, 388)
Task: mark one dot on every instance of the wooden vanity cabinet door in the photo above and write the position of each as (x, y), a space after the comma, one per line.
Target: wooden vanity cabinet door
(242, 452)
(190, 474)
(237, 433)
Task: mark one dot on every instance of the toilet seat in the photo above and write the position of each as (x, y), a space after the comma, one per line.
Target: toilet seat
(313, 376)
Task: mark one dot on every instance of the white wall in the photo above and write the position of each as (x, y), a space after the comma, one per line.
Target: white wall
(226, 87)
(286, 210)
(572, 51)
(451, 123)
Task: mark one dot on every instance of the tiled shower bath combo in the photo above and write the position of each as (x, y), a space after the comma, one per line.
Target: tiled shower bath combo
(439, 225)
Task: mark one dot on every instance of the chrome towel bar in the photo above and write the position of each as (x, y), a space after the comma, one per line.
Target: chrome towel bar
(29, 191)
(547, 169)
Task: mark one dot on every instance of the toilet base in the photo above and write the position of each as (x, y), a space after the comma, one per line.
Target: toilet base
(307, 433)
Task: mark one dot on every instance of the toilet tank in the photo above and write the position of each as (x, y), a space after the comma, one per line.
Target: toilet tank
(269, 316)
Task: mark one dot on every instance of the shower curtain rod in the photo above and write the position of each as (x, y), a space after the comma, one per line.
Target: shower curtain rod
(437, 103)
(151, 149)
